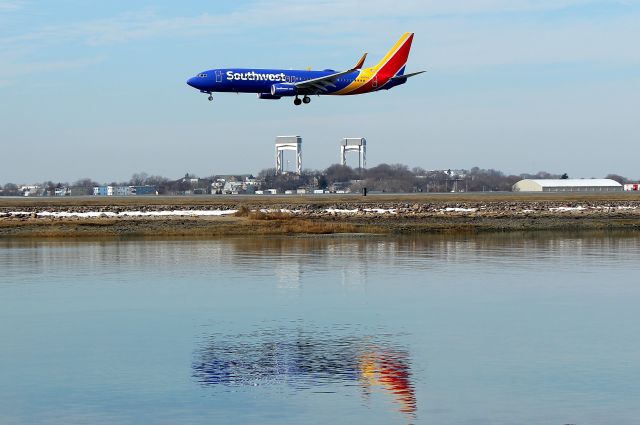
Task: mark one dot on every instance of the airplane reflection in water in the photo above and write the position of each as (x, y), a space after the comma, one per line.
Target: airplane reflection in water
(306, 360)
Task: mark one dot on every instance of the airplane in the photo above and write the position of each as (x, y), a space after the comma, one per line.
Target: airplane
(278, 83)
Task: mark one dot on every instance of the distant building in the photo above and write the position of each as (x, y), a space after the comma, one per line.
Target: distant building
(143, 190)
(124, 190)
(234, 184)
(62, 191)
(632, 186)
(233, 187)
(30, 190)
(119, 190)
(340, 187)
(567, 185)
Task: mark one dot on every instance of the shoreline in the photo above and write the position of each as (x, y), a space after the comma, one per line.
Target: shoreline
(205, 216)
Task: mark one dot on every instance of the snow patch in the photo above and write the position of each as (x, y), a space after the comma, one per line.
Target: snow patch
(279, 210)
(381, 210)
(355, 211)
(341, 211)
(567, 209)
(459, 210)
(96, 214)
(180, 213)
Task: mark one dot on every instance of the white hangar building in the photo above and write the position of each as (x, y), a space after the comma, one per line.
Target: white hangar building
(567, 185)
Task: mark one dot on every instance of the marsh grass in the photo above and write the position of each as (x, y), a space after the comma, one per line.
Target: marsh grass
(278, 222)
(255, 223)
(243, 211)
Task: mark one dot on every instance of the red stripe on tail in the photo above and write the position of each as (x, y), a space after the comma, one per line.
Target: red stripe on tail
(387, 70)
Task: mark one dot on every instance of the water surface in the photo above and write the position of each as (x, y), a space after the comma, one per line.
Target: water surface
(504, 329)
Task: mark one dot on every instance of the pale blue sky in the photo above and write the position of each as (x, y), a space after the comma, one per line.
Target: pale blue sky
(97, 89)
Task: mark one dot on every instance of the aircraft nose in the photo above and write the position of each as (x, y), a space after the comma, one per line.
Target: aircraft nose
(192, 82)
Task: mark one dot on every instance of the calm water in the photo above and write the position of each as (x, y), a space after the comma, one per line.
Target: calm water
(487, 330)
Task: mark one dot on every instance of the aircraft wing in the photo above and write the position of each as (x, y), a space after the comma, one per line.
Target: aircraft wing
(321, 84)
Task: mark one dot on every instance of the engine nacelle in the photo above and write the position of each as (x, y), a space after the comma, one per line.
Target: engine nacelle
(283, 90)
(268, 96)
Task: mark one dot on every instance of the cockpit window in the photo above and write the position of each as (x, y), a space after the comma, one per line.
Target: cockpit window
(202, 75)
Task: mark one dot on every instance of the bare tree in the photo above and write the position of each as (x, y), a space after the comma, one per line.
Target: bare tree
(390, 178)
(10, 189)
(339, 173)
(86, 184)
(139, 179)
(618, 178)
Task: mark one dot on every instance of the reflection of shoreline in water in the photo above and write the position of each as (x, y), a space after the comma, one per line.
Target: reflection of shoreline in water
(304, 360)
(288, 257)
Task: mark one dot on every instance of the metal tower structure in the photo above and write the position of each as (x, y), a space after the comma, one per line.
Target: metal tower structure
(354, 144)
(288, 143)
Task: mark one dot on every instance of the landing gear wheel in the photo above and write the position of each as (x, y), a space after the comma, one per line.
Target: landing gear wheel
(297, 101)
(306, 99)
(210, 98)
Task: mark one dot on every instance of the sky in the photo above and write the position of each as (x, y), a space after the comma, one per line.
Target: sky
(97, 89)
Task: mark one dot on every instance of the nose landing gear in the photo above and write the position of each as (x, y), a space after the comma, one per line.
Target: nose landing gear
(210, 97)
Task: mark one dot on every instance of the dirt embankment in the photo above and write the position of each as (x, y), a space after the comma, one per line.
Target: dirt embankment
(454, 213)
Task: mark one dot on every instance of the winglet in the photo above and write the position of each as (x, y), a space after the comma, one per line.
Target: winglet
(360, 62)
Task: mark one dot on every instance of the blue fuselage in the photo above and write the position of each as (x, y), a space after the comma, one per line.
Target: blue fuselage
(261, 81)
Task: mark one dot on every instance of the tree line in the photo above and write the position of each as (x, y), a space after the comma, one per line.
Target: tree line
(398, 178)
(392, 178)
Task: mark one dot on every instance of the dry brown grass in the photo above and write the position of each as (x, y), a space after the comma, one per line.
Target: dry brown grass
(243, 211)
(270, 216)
(278, 222)
(256, 223)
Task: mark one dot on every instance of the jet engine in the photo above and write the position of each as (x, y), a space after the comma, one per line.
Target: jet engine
(283, 90)
(268, 96)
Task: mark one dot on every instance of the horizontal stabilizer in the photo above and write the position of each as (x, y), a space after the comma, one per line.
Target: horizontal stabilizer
(405, 76)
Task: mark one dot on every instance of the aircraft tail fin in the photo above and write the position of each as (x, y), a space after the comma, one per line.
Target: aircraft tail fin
(395, 60)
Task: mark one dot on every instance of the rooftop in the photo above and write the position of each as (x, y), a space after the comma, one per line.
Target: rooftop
(575, 182)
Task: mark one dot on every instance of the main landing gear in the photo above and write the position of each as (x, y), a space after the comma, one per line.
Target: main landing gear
(305, 99)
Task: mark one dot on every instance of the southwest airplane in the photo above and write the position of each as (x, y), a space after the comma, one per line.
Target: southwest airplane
(277, 83)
